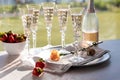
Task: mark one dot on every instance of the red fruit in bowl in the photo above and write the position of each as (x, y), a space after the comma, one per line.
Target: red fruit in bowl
(11, 39)
(37, 71)
(15, 35)
(4, 37)
(9, 33)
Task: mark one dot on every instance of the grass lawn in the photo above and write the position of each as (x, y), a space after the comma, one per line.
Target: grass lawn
(109, 27)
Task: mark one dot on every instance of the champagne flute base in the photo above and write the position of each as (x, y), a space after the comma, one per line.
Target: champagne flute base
(76, 59)
(63, 51)
(47, 46)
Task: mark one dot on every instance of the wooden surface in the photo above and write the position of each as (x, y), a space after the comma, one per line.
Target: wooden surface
(109, 70)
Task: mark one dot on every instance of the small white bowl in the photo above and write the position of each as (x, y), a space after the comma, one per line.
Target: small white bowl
(14, 48)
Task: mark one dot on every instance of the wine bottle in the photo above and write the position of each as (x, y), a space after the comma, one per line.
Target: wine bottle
(90, 31)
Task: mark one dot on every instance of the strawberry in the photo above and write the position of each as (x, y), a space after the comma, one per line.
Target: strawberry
(11, 39)
(19, 39)
(4, 37)
(15, 35)
(9, 33)
(40, 64)
(37, 71)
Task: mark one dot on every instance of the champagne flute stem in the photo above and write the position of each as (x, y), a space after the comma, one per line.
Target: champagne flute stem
(63, 39)
(49, 35)
(34, 39)
(76, 48)
(28, 46)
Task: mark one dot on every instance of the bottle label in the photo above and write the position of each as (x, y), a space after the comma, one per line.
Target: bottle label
(90, 36)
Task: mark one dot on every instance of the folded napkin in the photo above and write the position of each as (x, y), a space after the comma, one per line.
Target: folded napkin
(25, 65)
(57, 66)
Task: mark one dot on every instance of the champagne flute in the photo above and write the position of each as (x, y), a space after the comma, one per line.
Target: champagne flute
(63, 11)
(34, 10)
(76, 22)
(27, 22)
(48, 10)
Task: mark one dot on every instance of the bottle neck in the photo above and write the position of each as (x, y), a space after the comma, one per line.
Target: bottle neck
(90, 8)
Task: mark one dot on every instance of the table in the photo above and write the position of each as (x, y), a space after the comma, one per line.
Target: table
(109, 70)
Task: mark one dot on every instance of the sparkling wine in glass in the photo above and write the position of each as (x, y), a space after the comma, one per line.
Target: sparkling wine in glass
(63, 11)
(48, 10)
(76, 21)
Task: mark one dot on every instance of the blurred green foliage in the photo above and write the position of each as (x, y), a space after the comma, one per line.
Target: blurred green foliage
(113, 5)
(101, 5)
